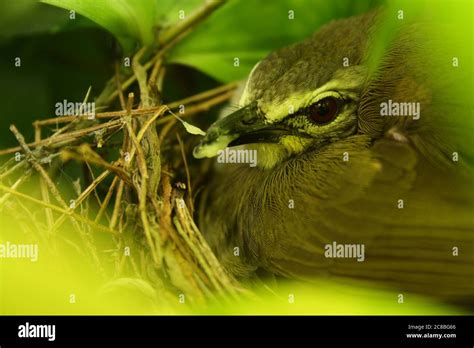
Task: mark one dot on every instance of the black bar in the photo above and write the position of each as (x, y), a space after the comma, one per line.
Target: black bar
(288, 330)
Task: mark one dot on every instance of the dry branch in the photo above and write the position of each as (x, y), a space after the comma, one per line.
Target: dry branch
(146, 213)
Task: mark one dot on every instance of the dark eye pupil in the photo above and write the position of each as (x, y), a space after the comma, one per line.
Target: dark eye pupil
(323, 111)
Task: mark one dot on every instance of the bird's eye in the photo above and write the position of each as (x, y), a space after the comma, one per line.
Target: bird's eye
(324, 111)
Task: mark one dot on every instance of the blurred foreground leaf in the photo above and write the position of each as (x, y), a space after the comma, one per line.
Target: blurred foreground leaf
(250, 29)
(27, 17)
(130, 21)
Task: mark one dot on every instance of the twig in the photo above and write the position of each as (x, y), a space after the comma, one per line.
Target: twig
(84, 194)
(30, 218)
(140, 73)
(94, 189)
(188, 175)
(88, 190)
(74, 121)
(58, 209)
(208, 7)
(43, 188)
(150, 121)
(54, 190)
(197, 108)
(20, 180)
(141, 161)
(143, 111)
(192, 235)
(67, 137)
(92, 157)
(166, 129)
(161, 78)
(118, 201)
(119, 86)
(11, 170)
(31, 159)
(154, 72)
(196, 252)
(191, 111)
(203, 95)
(145, 127)
(108, 99)
(107, 198)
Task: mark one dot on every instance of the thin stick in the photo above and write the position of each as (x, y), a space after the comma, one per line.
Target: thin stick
(30, 157)
(96, 194)
(150, 121)
(119, 86)
(166, 129)
(197, 108)
(118, 200)
(87, 157)
(145, 127)
(196, 252)
(17, 183)
(143, 111)
(74, 122)
(54, 190)
(67, 137)
(154, 72)
(107, 199)
(88, 190)
(198, 244)
(43, 188)
(140, 73)
(203, 95)
(57, 209)
(161, 78)
(197, 16)
(127, 83)
(188, 175)
(141, 161)
(84, 194)
(11, 170)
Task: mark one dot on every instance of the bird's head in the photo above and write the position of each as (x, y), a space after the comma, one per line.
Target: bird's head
(299, 98)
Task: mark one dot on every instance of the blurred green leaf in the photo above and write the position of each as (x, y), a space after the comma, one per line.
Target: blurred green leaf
(129, 21)
(249, 30)
(334, 297)
(26, 17)
(169, 10)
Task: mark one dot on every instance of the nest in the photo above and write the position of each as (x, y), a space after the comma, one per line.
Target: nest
(131, 159)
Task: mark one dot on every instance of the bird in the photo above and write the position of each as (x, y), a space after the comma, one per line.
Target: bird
(362, 134)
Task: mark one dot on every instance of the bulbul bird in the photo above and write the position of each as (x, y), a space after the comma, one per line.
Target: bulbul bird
(362, 141)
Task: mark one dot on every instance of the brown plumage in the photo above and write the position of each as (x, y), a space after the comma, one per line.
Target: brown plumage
(356, 200)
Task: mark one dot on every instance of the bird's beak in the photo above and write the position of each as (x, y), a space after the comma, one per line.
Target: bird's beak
(244, 126)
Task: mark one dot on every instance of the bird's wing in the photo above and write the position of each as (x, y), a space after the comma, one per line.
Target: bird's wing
(416, 225)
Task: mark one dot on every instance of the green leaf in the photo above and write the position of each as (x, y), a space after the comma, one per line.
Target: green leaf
(27, 17)
(129, 21)
(189, 127)
(193, 129)
(170, 10)
(247, 30)
(332, 297)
